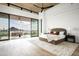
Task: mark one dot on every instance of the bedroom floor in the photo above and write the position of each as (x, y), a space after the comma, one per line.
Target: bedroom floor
(23, 47)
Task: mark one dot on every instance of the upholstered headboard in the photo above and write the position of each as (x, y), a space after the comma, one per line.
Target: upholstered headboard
(58, 30)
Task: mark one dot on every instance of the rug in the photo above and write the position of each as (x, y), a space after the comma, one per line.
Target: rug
(62, 49)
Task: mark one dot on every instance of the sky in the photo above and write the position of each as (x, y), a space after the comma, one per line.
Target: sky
(20, 24)
(3, 23)
(14, 23)
(17, 24)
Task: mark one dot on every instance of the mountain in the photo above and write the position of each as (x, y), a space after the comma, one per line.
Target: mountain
(15, 29)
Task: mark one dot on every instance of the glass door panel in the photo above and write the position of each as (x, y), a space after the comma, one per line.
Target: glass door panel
(14, 31)
(35, 28)
(25, 26)
(3, 26)
(19, 27)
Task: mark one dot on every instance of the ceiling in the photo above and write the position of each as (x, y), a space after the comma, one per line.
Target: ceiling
(36, 7)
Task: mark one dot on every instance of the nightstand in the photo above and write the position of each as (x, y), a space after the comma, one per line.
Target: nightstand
(72, 37)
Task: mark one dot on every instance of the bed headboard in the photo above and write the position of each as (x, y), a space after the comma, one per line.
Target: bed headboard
(59, 29)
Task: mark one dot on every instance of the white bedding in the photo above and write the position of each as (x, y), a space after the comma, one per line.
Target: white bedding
(51, 37)
(43, 36)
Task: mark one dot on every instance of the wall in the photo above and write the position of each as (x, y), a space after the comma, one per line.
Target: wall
(64, 16)
(42, 17)
(14, 11)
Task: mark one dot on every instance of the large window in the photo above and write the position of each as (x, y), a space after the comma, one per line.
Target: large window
(12, 26)
(19, 27)
(4, 26)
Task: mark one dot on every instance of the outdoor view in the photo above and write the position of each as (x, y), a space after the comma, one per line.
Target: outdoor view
(35, 30)
(3, 26)
(20, 27)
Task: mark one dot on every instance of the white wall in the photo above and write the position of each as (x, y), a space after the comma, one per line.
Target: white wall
(64, 16)
(42, 17)
(14, 11)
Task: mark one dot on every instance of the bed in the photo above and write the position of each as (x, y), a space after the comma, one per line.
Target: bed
(54, 38)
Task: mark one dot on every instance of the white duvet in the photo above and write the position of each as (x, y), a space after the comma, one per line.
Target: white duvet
(51, 37)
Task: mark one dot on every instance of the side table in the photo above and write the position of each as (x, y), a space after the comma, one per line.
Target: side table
(71, 37)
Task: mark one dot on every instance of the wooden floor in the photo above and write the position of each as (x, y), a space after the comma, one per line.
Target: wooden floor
(76, 52)
(21, 47)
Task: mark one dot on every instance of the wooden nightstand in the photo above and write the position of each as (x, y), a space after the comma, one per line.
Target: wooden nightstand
(71, 37)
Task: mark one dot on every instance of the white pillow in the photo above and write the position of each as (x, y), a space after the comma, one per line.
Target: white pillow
(61, 33)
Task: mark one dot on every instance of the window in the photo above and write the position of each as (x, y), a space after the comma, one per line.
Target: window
(19, 27)
(35, 28)
(41, 25)
(12, 26)
(4, 26)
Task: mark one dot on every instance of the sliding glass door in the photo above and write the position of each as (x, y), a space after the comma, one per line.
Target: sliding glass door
(12, 26)
(26, 26)
(35, 28)
(20, 27)
(4, 33)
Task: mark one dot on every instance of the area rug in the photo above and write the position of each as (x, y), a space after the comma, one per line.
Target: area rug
(62, 49)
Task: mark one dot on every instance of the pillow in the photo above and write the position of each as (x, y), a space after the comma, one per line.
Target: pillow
(51, 32)
(54, 33)
(61, 33)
